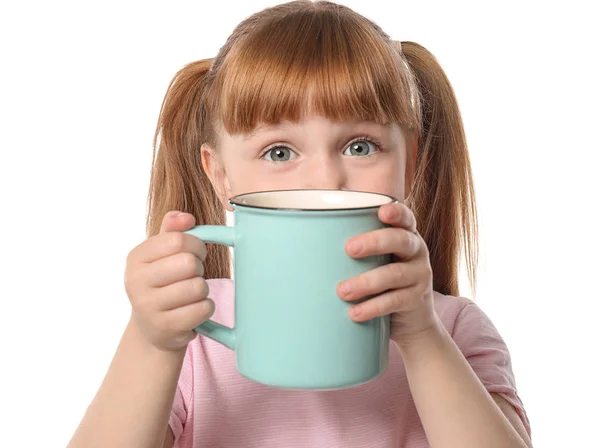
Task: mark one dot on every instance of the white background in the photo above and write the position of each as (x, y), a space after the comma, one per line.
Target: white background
(80, 91)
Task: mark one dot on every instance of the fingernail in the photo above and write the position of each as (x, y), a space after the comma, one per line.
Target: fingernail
(355, 311)
(346, 288)
(355, 246)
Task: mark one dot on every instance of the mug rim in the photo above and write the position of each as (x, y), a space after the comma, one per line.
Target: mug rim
(235, 200)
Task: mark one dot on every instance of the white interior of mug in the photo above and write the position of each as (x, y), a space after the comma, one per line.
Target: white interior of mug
(312, 200)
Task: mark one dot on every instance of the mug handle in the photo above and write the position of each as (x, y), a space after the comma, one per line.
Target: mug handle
(220, 235)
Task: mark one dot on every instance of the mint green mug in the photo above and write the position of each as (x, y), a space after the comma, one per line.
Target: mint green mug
(291, 328)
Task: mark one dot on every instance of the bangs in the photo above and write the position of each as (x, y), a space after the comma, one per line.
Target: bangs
(329, 62)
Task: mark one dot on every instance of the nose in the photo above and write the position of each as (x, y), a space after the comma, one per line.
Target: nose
(326, 173)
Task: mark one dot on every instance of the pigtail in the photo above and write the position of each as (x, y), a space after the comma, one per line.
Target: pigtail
(442, 195)
(178, 181)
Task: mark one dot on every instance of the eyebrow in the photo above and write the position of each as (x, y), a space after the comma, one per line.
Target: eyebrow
(282, 125)
(264, 127)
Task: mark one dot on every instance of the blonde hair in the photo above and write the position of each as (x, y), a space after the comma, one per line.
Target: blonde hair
(323, 57)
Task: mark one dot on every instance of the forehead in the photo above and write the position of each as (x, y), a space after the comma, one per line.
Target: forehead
(312, 121)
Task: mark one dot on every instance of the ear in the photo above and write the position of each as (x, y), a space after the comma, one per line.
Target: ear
(214, 169)
(411, 163)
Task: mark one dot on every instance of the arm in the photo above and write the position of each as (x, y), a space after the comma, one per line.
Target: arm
(169, 439)
(132, 407)
(455, 408)
(163, 279)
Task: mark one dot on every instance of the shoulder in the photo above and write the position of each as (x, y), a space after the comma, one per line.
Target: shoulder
(452, 309)
(470, 327)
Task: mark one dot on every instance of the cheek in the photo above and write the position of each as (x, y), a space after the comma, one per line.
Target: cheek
(386, 178)
(390, 183)
(395, 176)
(247, 177)
(236, 176)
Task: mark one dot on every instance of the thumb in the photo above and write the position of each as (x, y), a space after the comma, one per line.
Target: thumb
(176, 221)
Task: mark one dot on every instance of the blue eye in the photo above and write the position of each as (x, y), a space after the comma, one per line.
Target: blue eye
(280, 154)
(361, 148)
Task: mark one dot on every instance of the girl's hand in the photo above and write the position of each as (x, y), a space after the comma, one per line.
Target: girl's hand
(163, 280)
(403, 288)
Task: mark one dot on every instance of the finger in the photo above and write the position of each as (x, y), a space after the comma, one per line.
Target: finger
(177, 221)
(180, 294)
(384, 304)
(165, 244)
(379, 280)
(188, 317)
(390, 240)
(174, 268)
(398, 215)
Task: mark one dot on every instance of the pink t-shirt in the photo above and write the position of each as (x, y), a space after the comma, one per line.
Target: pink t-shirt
(217, 407)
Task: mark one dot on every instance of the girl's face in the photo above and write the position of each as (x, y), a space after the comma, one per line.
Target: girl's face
(313, 153)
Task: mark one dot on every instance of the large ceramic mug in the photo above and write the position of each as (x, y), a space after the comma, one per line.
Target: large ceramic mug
(291, 328)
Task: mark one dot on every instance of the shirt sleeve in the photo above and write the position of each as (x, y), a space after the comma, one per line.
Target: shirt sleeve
(488, 355)
(181, 417)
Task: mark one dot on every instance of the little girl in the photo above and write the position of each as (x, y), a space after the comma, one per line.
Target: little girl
(310, 95)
